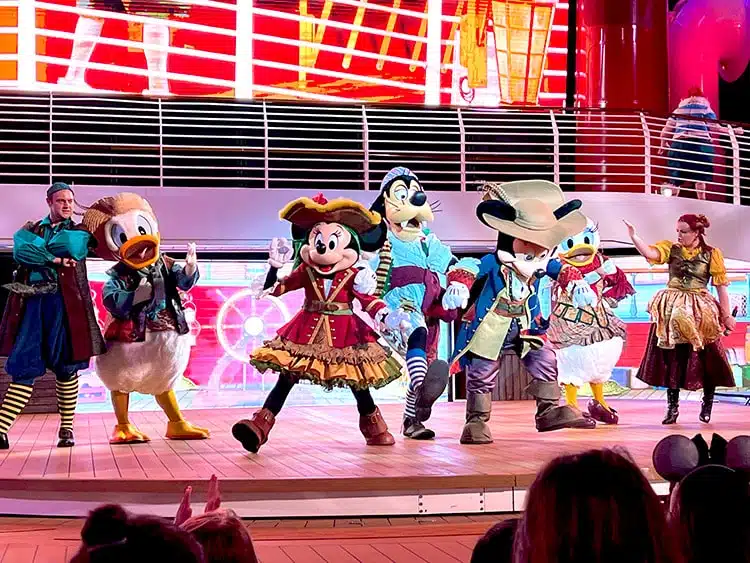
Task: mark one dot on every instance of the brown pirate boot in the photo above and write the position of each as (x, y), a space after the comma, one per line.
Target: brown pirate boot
(549, 414)
(478, 410)
(375, 430)
(253, 433)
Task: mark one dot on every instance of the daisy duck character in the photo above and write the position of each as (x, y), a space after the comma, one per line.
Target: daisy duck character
(588, 337)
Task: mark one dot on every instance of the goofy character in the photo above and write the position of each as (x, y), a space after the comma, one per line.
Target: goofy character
(531, 218)
(413, 276)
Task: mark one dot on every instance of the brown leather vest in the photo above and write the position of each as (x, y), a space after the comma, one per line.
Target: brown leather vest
(693, 273)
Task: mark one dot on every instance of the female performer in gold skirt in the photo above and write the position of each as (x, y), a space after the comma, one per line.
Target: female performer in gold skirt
(684, 349)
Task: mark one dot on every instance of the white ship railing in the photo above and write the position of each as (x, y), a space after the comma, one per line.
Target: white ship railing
(177, 142)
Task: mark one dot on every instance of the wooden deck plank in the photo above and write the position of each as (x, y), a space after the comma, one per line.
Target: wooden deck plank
(334, 554)
(431, 553)
(272, 554)
(20, 553)
(302, 554)
(454, 549)
(365, 553)
(398, 553)
(303, 455)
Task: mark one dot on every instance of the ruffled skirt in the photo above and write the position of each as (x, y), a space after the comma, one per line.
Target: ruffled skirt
(364, 366)
(684, 349)
(685, 317)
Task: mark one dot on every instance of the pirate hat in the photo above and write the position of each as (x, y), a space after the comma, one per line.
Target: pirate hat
(305, 213)
(531, 210)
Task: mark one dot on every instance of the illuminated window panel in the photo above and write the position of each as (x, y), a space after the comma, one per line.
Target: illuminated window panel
(505, 52)
(522, 33)
(324, 50)
(8, 44)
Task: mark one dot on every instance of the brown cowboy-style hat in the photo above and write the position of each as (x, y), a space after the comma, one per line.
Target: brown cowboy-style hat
(531, 210)
(305, 212)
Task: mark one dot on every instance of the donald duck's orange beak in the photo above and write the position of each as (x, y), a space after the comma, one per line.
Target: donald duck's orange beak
(140, 252)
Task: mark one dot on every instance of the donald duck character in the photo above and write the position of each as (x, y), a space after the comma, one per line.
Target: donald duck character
(588, 337)
(531, 218)
(413, 272)
(147, 336)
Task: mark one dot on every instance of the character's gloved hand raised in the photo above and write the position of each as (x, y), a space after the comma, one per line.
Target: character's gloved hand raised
(279, 253)
(582, 294)
(456, 296)
(365, 281)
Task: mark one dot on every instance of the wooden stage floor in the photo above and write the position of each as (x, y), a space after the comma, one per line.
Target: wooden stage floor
(316, 462)
(448, 539)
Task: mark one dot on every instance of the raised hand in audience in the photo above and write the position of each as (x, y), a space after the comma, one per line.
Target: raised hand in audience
(213, 501)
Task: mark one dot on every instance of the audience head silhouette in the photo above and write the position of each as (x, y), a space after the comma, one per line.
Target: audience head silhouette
(593, 507)
(223, 536)
(111, 535)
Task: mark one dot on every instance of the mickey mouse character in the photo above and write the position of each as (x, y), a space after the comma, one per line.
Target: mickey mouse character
(327, 343)
(531, 218)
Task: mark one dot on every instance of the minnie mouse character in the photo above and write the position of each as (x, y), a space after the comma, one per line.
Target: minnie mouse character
(326, 343)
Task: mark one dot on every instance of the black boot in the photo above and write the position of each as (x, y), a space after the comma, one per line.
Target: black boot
(415, 430)
(66, 438)
(434, 384)
(4, 444)
(673, 406)
(707, 405)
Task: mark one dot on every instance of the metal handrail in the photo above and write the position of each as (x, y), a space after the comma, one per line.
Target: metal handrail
(182, 142)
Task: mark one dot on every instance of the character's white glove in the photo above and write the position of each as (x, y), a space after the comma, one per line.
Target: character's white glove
(279, 253)
(392, 320)
(191, 259)
(143, 292)
(608, 268)
(592, 277)
(365, 281)
(582, 294)
(456, 296)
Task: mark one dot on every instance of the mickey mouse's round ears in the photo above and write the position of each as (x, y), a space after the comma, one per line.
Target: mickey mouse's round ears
(738, 454)
(675, 456)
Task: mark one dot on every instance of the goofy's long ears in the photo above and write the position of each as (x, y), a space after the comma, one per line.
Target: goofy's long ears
(675, 456)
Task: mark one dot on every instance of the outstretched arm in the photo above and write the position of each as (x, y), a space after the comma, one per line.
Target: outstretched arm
(650, 253)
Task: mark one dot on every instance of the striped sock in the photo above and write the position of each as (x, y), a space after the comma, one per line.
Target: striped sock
(416, 365)
(410, 409)
(67, 399)
(15, 400)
